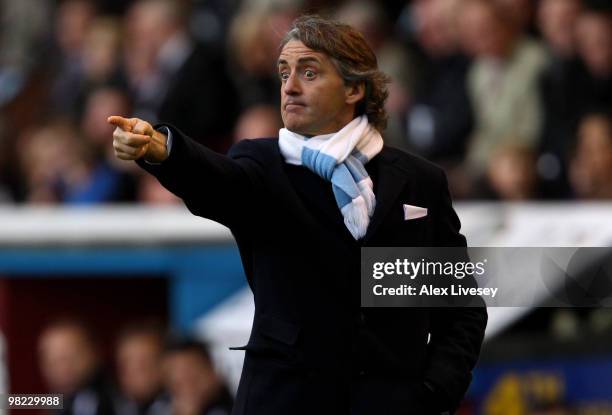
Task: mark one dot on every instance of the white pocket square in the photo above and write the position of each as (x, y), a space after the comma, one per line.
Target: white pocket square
(414, 212)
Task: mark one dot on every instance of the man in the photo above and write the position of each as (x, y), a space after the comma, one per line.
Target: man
(300, 208)
(71, 366)
(139, 359)
(500, 82)
(194, 385)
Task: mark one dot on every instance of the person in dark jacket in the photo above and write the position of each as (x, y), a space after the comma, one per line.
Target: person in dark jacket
(70, 365)
(301, 207)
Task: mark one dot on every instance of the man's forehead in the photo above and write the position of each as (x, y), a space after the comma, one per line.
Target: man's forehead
(295, 50)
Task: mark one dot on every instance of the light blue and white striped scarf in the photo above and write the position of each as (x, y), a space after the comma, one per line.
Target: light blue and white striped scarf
(340, 158)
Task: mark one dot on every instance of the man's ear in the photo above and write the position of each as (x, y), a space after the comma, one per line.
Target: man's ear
(354, 91)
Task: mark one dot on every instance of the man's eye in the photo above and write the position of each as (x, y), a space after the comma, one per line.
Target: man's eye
(284, 76)
(309, 74)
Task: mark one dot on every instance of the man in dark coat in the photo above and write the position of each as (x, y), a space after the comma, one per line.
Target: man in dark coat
(300, 220)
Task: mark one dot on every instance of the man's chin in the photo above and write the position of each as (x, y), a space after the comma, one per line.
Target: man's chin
(296, 127)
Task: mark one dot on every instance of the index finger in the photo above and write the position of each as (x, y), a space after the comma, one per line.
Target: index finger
(121, 122)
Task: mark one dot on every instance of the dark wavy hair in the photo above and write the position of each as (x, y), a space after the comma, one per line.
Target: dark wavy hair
(352, 56)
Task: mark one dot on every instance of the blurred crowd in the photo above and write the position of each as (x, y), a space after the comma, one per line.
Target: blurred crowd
(153, 374)
(512, 97)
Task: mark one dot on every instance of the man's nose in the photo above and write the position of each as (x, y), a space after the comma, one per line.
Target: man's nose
(292, 85)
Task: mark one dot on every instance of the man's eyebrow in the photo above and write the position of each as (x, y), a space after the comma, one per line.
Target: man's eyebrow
(301, 60)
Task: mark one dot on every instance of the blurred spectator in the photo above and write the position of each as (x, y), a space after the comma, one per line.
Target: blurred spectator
(512, 173)
(520, 13)
(592, 86)
(595, 42)
(194, 386)
(24, 24)
(254, 36)
(466, 77)
(70, 365)
(557, 22)
(591, 167)
(594, 37)
(558, 87)
(72, 21)
(102, 179)
(209, 20)
(502, 81)
(139, 351)
(174, 79)
(440, 118)
(61, 163)
(369, 18)
(46, 153)
(100, 104)
(577, 82)
(101, 52)
(258, 121)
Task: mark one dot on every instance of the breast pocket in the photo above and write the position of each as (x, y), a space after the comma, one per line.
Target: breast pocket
(414, 232)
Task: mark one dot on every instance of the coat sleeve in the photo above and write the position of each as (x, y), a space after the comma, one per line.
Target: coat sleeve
(457, 332)
(212, 185)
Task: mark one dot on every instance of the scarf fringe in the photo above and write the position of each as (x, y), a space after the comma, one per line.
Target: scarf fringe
(356, 217)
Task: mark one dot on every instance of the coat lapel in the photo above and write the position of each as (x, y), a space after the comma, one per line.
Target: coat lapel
(389, 184)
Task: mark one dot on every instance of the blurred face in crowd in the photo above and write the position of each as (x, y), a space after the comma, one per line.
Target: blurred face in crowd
(556, 19)
(518, 11)
(595, 143)
(72, 22)
(314, 98)
(139, 366)
(436, 25)
(67, 358)
(594, 33)
(592, 166)
(512, 173)
(149, 24)
(190, 380)
(100, 54)
(99, 106)
(367, 17)
(482, 32)
(45, 154)
(255, 37)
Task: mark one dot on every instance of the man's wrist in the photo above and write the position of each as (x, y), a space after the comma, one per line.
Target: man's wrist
(157, 151)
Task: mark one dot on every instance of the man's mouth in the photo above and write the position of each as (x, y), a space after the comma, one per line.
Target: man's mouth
(292, 105)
